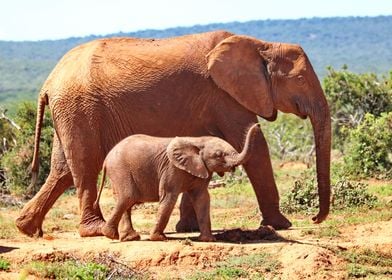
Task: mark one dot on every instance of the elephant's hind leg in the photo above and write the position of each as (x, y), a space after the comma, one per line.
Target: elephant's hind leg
(127, 232)
(110, 228)
(33, 213)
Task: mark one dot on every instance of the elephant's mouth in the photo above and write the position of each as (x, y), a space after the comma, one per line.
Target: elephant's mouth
(299, 112)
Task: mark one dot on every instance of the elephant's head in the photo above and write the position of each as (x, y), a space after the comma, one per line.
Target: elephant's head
(265, 77)
(201, 156)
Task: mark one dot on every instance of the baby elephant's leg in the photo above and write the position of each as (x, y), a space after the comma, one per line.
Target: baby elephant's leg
(201, 202)
(166, 205)
(110, 229)
(127, 233)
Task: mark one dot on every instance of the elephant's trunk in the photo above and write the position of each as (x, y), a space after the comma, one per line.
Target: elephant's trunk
(321, 122)
(242, 157)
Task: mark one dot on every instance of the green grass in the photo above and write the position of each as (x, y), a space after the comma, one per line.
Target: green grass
(254, 266)
(341, 218)
(67, 270)
(368, 263)
(4, 264)
(381, 190)
(8, 228)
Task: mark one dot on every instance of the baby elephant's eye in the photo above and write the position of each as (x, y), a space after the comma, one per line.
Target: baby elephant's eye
(218, 154)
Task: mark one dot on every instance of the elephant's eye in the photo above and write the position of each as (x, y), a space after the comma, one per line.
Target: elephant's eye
(300, 80)
(218, 154)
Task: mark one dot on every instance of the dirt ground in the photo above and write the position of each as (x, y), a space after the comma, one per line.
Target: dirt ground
(300, 257)
(299, 254)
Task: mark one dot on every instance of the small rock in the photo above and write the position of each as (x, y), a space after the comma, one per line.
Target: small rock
(68, 216)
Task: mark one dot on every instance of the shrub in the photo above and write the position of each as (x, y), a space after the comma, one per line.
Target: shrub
(4, 264)
(290, 139)
(345, 193)
(17, 160)
(370, 147)
(351, 96)
(68, 270)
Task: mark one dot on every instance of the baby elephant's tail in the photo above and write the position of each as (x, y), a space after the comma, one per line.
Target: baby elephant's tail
(96, 203)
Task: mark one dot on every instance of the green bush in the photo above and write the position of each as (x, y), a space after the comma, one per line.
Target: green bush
(370, 148)
(16, 161)
(351, 96)
(4, 264)
(68, 270)
(290, 138)
(304, 195)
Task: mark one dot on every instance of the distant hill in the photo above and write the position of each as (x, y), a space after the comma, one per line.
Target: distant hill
(362, 43)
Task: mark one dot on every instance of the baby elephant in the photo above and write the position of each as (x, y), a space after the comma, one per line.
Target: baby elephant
(143, 168)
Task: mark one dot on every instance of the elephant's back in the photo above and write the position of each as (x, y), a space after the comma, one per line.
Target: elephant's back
(138, 148)
(105, 65)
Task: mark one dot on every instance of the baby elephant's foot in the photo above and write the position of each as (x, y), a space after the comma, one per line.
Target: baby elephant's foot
(129, 236)
(206, 238)
(110, 232)
(156, 236)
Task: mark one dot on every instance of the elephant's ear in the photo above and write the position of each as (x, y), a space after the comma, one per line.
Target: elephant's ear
(186, 156)
(236, 66)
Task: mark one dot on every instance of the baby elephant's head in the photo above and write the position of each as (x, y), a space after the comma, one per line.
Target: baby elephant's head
(201, 156)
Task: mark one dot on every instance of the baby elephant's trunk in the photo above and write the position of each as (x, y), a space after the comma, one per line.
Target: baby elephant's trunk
(242, 157)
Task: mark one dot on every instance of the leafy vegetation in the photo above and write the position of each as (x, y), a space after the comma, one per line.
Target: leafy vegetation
(290, 140)
(4, 264)
(18, 157)
(254, 266)
(370, 149)
(68, 270)
(351, 96)
(304, 195)
(328, 41)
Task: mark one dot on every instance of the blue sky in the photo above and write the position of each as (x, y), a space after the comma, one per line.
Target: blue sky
(54, 19)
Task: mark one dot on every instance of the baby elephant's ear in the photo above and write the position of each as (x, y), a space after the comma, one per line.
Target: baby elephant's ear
(186, 156)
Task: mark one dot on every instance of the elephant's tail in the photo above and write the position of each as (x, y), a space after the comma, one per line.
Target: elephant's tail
(96, 203)
(42, 102)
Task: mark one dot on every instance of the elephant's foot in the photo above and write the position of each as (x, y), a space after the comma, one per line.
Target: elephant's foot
(92, 228)
(110, 232)
(28, 225)
(156, 236)
(206, 238)
(277, 221)
(187, 225)
(129, 236)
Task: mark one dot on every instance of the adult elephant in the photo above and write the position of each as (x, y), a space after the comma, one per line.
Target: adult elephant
(214, 83)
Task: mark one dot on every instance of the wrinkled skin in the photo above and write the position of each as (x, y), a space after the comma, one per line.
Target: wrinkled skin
(143, 168)
(214, 83)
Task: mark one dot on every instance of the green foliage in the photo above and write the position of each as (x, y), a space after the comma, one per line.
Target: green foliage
(351, 96)
(304, 195)
(68, 270)
(17, 160)
(367, 262)
(369, 152)
(4, 264)
(290, 139)
(254, 266)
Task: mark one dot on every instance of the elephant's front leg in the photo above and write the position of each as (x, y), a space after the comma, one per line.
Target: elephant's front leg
(201, 202)
(259, 170)
(166, 205)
